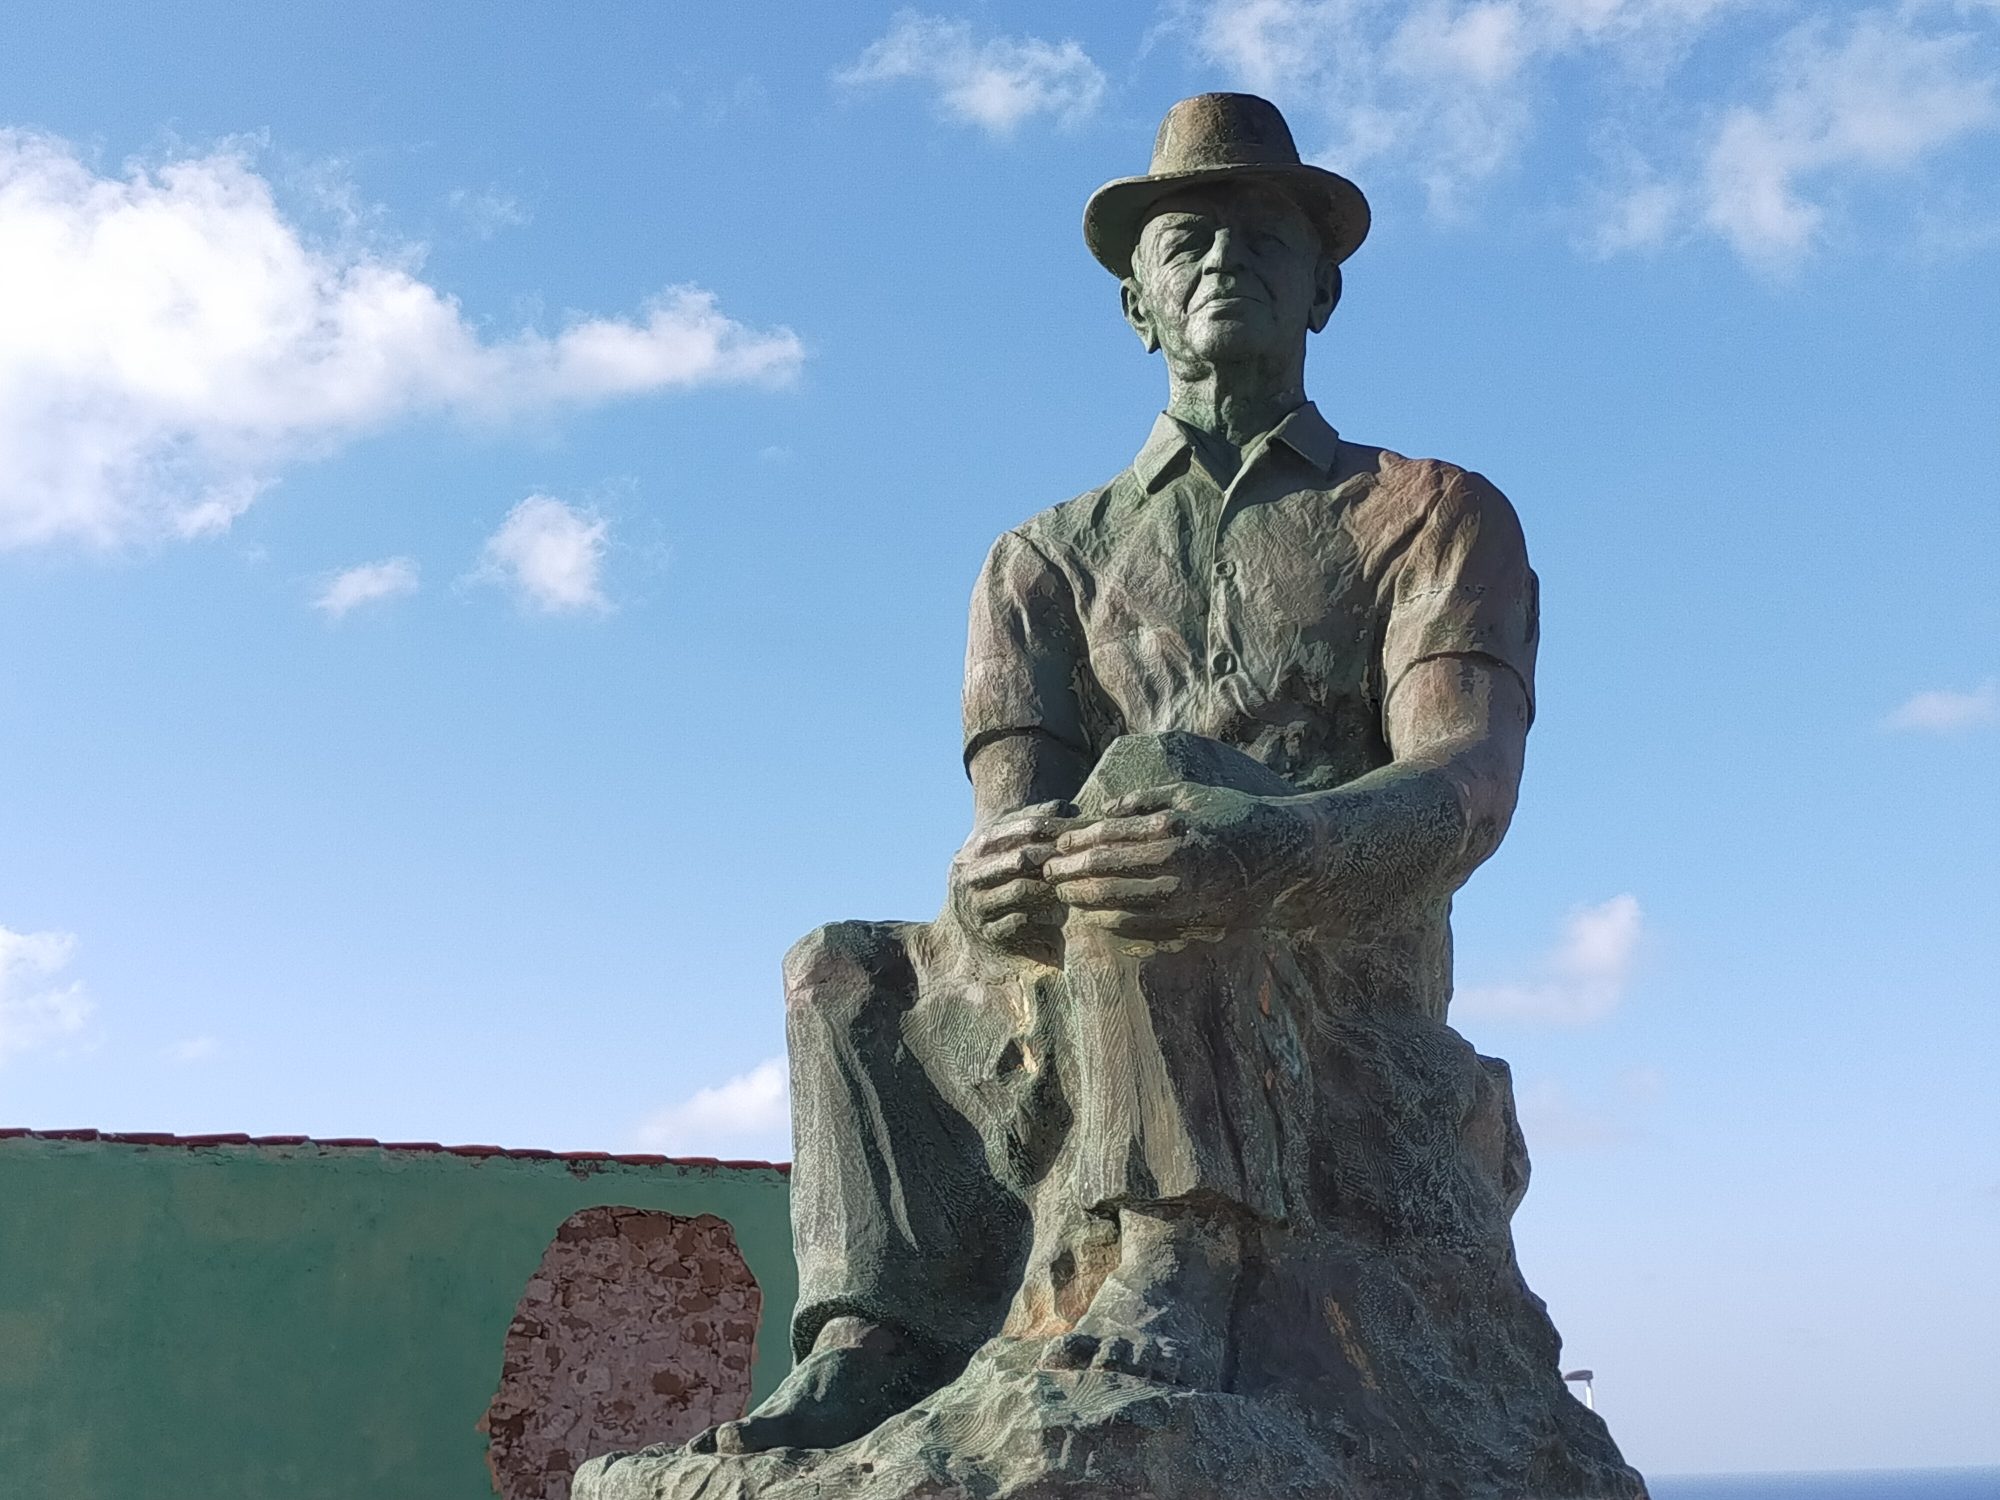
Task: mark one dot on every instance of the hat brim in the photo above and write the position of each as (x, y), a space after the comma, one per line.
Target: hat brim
(1119, 210)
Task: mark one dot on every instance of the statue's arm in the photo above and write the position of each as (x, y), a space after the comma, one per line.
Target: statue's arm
(1023, 769)
(1458, 661)
(1417, 827)
(1023, 713)
(1023, 747)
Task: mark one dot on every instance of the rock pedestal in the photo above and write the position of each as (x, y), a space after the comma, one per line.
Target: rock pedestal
(1389, 1350)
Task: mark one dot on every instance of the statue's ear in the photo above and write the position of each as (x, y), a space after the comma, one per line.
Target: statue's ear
(1138, 314)
(1326, 294)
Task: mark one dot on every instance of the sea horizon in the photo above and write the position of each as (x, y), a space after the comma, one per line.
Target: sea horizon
(1981, 1482)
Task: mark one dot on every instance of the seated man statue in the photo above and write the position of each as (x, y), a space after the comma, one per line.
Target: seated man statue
(1150, 1167)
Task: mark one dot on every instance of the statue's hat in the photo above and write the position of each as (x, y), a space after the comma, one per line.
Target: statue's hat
(1223, 137)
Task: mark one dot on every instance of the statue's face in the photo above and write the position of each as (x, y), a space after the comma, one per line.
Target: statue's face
(1228, 272)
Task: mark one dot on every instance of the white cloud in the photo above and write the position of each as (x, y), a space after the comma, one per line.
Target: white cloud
(487, 212)
(749, 1116)
(194, 1049)
(1486, 43)
(1449, 94)
(1581, 980)
(1943, 711)
(37, 1008)
(995, 84)
(1444, 92)
(1880, 99)
(174, 341)
(551, 554)
(1552, 1117)
(388, 579)
(1642, 215)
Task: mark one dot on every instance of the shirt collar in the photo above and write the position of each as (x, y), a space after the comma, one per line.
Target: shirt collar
(1308, 434)
(1303, 430)
(1164, 444)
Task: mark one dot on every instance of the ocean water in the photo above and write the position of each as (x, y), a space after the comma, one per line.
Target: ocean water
(1865, 1484)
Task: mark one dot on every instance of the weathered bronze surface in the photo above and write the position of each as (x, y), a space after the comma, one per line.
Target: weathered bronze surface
(1151, 1167)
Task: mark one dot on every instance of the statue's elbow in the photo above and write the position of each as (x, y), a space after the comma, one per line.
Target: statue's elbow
(1488, 793)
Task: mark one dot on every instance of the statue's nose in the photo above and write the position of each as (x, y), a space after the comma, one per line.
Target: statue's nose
(1221, 250)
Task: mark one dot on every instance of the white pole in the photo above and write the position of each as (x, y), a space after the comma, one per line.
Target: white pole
(1586, 1379)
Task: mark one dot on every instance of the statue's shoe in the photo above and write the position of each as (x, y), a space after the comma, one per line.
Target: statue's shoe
(846, 1387)
(1164, 1312)
(1125, 1333)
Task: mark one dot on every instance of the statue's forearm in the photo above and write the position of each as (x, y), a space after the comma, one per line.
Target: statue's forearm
(1413, 830)
(1408, 832)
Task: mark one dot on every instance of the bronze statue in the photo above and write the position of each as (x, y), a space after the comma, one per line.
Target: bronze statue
(1151, 1167)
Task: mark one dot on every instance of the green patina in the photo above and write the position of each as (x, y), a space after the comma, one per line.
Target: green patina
(322, 1323)
(1151, 1166)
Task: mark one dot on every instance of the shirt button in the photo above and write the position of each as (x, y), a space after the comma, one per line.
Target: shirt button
(1225, 569)
(1222, 663)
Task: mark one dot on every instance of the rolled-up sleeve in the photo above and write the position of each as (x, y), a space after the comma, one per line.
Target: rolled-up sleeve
(1464, 587)
(1023, 651)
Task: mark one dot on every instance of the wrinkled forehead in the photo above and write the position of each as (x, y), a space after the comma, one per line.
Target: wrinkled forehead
(1239, 205)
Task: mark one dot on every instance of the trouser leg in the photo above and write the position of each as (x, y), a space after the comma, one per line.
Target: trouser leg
(1193, 1076)
(896, 1214)
(1193, 1085)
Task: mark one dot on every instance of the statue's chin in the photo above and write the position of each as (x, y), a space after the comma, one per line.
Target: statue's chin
(1231, 336)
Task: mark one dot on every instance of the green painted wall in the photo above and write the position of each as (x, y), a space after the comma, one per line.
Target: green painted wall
(295, 1322)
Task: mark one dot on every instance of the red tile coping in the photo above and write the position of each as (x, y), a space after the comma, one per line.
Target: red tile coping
(163, 1138)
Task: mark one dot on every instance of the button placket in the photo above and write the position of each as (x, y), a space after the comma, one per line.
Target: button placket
(1223, 657)
(1204, 514)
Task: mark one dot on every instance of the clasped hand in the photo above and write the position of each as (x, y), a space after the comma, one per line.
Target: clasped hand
(1159, 864)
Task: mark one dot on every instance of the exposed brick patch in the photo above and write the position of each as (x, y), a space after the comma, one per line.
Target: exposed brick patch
(638, 1327)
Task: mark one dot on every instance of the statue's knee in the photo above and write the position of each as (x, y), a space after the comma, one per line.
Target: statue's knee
(1493, 1132)
(843, 971)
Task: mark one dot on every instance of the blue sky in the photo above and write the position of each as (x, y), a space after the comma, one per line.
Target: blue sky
(488, 495)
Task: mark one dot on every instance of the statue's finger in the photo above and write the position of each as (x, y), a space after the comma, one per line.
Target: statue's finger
(1036, 811)
(1111, 859)
(1003, 930)
(1145, 800)
(1129, 830)
(1151, 925)
(1120, 893)
(995, 869)
(1015, 895)
(1010, 832)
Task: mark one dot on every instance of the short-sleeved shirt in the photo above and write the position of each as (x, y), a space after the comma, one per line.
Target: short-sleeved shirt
(1277, 613)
